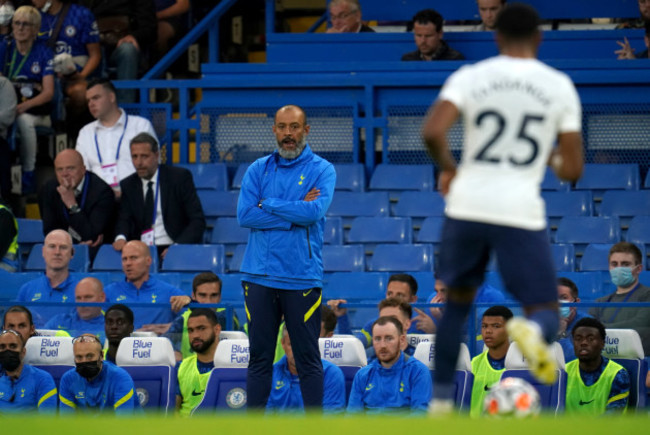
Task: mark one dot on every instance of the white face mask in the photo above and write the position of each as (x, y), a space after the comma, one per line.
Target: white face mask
(6, 14)
(46, 7)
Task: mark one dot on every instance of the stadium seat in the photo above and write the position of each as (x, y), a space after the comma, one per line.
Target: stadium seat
(560, 204)
(194, 258)
(349, 205)
(333, 231)
(402, 258)
(552, 397)
(606, 176)
(431, 230)
(463, 378)
(639, 232)
(343, 258)
(356, 286)
(80, 262)
(402, 177)
(237, 257)
(582, 230)
(213, 176)
(30, 232)
(150, 362)
(563, 257)
(595, 257)
(347, 353)
(591, 285)
(218, 204)
(228, 232)
(231, 289)
(625, 205)
(551, 182)
(239, 175)
(419, 205)
(52, 354)
(108, 259)
(232, 335)
(624, 347)
(415, 339)
(646, 184)
(12, 282)
(350, 177)
(226, 387)
(372, 230)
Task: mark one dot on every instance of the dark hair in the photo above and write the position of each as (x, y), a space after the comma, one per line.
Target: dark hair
(566, 282)
(105, 83)
(328, 318)
(404, 307)
(18, 309)
(405, 278)
(647, 28)
(209, 314)
(518, 21)
(122, 308)
(384, 320)
(426, 16)
(499, 311)
(590, 322)
(145, 137)
(627, 248)
(205, 278)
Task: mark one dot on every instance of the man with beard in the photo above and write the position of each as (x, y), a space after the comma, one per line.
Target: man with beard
(283, 200)
(193, 372)
(118, 323)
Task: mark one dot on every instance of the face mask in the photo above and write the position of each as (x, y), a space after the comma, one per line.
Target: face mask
(46, 7)
(88, 369)
(622, 276)
(10, 360)
(564, 310)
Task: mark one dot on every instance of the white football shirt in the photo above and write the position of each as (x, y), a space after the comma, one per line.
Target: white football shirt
(513, 110)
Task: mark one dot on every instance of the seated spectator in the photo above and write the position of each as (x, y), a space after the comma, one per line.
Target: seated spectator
(345, 16)
(488, 366)
(7, 118)
(103, 143)
(206, 289)
(392, 382)
(28, 64)
(427, 32)
(627, 52)
(56, 285)
(638, 23)
(118, 324)
(403, 312)
(8, 239)
(23, 388)
(488, 11)
(625, 265)
(159, 203)
(193, 372)
(327, 322)
(95, 385)
(19, 319)
(140, 286)
(83, 319)
(567, 291)
(286, 394)
(172, 23)
(77, 201)
(595, 384)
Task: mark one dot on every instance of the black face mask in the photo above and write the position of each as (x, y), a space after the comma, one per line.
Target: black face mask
(88, 369)
(10, 360)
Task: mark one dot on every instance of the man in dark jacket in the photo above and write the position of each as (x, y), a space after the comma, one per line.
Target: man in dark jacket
(427, 32)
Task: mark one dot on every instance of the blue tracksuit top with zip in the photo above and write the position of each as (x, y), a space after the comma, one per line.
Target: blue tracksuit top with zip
(34, 390)
(284, 245)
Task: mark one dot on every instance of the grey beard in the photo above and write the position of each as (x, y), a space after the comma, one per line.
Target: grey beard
(290, 155)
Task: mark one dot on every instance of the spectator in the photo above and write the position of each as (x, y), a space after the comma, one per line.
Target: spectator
(56, 285)
(625, 265)
(23, 388)
(488, 10)
(403, 312)
(488, 366)
(567, 291)
(327, 322)
(392, 382)
(103, 143)
(7, 117)
(159, 203)
(83, 319)
(140, 287)
(644, 12)
(345, 16)
(6, 13)
(118, 324)
(8, 239)
(77, 201)
(28, 64)
(627, 52)
(595, 384)
(95, 385)
(19, 319)
(172, 23)
(427, 32)
(193, 372)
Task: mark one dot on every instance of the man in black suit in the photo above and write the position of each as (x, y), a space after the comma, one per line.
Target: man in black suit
(159, 203)
(78, 202)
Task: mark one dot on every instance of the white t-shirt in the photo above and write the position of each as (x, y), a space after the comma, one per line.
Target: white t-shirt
(513, 110)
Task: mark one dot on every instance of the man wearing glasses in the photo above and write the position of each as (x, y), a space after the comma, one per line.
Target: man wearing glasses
(345, 16)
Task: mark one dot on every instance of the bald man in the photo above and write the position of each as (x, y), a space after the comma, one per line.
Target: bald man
(83, 319)
(78, 201)
(56, 284)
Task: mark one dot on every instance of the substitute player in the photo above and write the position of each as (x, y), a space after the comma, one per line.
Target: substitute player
(514, 108)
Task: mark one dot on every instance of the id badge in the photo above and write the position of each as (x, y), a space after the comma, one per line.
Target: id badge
(110, 175)
(147, 237)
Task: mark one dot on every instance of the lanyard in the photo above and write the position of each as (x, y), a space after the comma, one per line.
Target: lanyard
(624, 300)
(84, 191)
(12, 73)
(119, 144)
(155, 200)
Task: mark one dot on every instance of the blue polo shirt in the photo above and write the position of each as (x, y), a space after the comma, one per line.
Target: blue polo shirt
(75, 325)
(34, 390)
(40, 290)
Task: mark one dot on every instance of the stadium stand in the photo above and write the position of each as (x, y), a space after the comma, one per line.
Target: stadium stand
(402, 258)
(639, 231)
(217, 204)
(373, 230)
(552, 183)
(80, 261)
(212, 176)
(625, 205)
(582, 230)
(227, 231)
(350, 177)
(398, 178)
(239, 175)
(194, 258)
(563, 257)
(108, 259)
(560, 204)
(333, 231)
(343, 258)
(30, 232)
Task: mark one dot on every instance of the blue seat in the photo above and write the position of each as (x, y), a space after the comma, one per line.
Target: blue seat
(560, 204)
(563, 257)
(52, 354)
(582, 230)
(625, 205)
(80, 261)
(639, 231)
(212, 176)
(194, 258)
(402, 177)
(431, 230)
(12, 282)
(218, 204)
(624, 347)
(231, 289)
(237, 257)
(108, 259)
(356, 286)
(599, 177)
(343, 258)
(646, 183)
(419, 205)
(352, 204)
(347, 353)
(372, 230)
(551, 182)
(171, 278)
(426, 282)
(350, 177)
(239, 175)
(591, 284)
(333, 231)
(402, 258)
(227, 231)
(30, 232)
(596, 257)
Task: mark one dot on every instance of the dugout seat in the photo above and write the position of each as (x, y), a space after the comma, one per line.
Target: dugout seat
(350, 177)
(333, 231)
(80, 261)
(194, 258)
(582, 230)
(347, 353)
(212, 176)
(625, 205)
(110, 260)
(150, 362)
(624, 347)
(402, 258)
(52, 354)
(343, 258)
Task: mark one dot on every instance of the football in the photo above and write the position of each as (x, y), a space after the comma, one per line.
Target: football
(512, 397)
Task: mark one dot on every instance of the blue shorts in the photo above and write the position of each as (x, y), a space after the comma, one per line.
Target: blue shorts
(523, 257)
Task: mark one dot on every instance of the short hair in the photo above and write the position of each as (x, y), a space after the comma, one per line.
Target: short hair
(384, 320)
(209, 314)
(205, 278)
(403, 306)
(626, 248)
(18, 309)
(518, 21)
(354, 4)
(427, 16)
(122, 308)
(405, 278)
(328, 318)
(566, 282)
(145, 137)
(499, 311)
(31, 13)
(15, 333)
(590, 322)
(292, 106)
(503, 2)
(103, 82)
